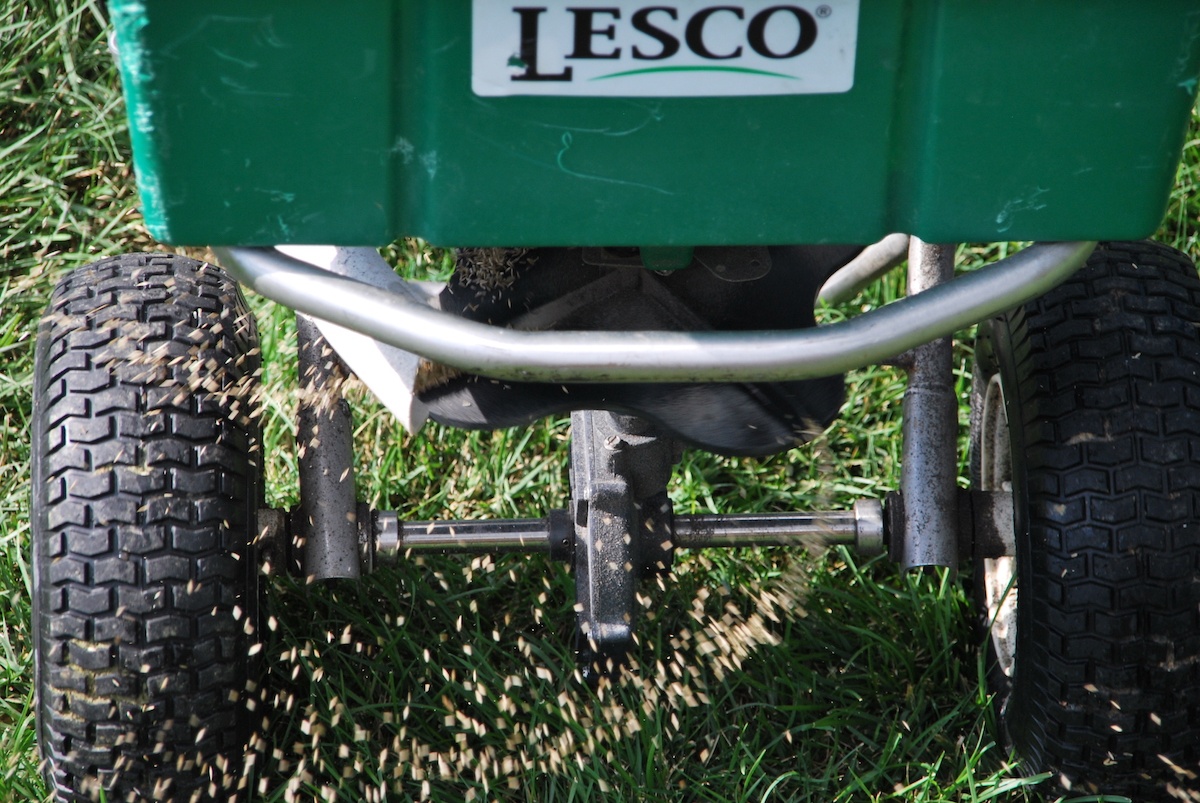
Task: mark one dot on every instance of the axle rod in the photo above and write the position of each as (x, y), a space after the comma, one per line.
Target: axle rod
(860, 528)
(394, 537)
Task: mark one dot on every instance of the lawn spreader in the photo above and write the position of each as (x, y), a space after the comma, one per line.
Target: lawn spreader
(646, 202)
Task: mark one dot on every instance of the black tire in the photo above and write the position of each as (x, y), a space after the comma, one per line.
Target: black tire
(1095, 393)
(146, 485)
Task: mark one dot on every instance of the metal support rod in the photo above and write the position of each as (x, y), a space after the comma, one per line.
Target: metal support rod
(874, 261)
(929, 471)
(764, 529)
(328, 516)
(861, 528)
(395, 537)
(743, 356)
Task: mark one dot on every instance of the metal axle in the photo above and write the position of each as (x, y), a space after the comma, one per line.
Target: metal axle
(860, 528)
(394, 537)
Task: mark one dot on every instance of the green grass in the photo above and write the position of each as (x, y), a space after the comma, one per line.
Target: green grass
(761, 674)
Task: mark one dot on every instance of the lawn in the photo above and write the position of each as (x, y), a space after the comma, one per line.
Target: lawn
(761, 674)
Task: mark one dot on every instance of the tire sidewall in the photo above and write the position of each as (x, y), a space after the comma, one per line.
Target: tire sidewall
(997, 354)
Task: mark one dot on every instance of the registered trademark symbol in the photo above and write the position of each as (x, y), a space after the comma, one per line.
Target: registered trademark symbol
(824, 11)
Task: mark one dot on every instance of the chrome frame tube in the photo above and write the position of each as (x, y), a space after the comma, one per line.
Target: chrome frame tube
(763, 356)
(874, 261)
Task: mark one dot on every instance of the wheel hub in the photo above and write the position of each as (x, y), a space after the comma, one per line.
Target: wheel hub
(999, 573)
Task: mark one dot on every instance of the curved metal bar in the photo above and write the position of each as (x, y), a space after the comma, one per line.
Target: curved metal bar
(874, 261)
(656, 356)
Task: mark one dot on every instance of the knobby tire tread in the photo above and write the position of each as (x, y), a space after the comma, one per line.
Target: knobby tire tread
(146, 485)
(1106, 421)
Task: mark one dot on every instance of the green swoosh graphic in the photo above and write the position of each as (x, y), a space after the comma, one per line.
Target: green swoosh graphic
(647, 70)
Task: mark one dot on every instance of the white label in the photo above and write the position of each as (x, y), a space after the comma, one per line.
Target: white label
(618, 48)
